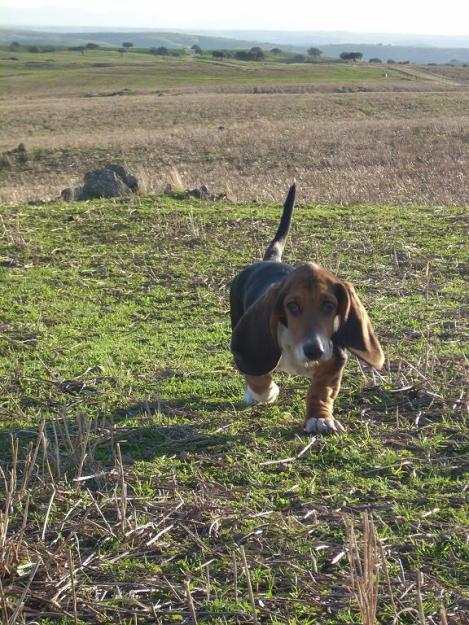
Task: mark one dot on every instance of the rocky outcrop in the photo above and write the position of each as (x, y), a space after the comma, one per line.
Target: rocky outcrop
(110, 181)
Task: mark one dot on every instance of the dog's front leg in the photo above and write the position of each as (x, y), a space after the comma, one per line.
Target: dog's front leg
(260, 389)
(322, 391)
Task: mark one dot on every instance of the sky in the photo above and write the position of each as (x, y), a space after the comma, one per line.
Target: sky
(396, 16)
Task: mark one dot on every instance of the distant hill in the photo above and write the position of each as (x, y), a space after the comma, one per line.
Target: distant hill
(147, 39)
(307, 38)
(140, 39)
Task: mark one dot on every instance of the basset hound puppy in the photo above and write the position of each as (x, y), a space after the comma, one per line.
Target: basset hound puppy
(298, 320)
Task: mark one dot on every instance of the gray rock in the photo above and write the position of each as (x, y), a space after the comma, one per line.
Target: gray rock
(130, 181)
(103, 183)
(68, 194)
(110, 181)
(20, 149)
(200, 192)
(20, 153)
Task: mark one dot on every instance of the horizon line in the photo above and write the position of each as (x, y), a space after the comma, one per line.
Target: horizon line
(176, 29)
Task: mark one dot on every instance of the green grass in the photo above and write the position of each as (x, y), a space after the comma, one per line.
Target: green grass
(64, 72)
(115, 313)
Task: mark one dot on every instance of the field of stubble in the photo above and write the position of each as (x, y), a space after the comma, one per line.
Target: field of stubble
(355, 138)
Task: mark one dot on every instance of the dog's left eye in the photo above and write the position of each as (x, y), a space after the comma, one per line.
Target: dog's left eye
(328, 308)
(293, 308)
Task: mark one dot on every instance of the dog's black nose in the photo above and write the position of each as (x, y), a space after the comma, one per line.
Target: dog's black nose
(313, 350)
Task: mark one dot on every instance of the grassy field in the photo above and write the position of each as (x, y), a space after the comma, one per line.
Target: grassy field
(138, 487)
(48, 73)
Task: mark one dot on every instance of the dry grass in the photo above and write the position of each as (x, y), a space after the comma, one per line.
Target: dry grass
(457, 74)
(364, 569)
(344, 148)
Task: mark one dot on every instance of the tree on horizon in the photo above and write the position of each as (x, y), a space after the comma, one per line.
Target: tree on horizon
(351, 56)
(315, 52)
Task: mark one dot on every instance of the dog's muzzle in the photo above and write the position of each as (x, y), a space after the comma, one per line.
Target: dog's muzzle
(313, 349)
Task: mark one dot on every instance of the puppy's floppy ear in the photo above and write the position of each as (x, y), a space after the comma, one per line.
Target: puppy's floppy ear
(254, 340)
(355, 331)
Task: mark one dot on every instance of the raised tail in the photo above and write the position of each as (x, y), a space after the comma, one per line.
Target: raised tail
(275, 249)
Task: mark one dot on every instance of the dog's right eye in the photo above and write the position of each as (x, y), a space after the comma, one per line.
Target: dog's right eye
(293, 308)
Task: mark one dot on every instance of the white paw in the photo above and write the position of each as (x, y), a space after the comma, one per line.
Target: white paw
(323, 426)
(268, 397)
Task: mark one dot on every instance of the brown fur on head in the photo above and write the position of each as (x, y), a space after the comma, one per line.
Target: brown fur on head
(305, 315)
(307, 305)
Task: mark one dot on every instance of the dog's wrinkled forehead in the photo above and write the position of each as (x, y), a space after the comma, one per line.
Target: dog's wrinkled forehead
(309, 276)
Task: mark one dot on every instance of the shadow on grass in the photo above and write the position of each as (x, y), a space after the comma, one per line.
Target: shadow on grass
(153, 441)
(185, 407)
(150, 429)
(91, 444)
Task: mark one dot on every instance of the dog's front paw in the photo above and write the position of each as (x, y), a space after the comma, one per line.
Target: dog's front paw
(319, 425)
(268, 397)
